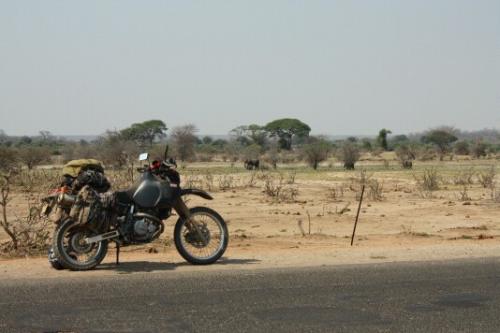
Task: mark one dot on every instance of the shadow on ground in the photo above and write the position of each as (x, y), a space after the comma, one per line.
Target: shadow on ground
(149, 266)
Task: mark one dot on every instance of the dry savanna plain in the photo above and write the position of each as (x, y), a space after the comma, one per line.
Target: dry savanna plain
(296, 216)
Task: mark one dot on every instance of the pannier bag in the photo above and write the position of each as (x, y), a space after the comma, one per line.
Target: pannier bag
(87, 208)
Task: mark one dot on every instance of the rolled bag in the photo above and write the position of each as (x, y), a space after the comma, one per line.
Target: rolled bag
(74, 167)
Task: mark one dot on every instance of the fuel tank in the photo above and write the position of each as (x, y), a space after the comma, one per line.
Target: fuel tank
(150, 192)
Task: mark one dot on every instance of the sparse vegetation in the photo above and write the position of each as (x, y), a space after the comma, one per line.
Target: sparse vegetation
(487, 178)
(428, 182)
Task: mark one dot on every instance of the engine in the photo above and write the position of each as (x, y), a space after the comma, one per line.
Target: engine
(145, 229)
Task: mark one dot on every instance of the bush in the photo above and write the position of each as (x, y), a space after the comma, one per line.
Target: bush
(487, 178)
(316, 151)
(464, 177)
(279, 188)
(428, 182)
(184, 139)
(462, 148)
(8, 158)
(479, 149)
(406, 155)
(349, 154)
(33, 156)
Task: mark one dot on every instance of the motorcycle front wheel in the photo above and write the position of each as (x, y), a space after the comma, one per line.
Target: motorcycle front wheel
(205, 245)
(71, 249)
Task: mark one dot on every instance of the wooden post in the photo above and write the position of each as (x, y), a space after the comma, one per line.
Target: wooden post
(357, 215)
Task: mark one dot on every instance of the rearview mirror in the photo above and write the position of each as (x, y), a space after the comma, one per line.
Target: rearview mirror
(143, 157)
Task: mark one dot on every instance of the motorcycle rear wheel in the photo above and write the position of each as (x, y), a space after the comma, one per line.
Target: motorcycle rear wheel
(69, 247)
(213, 228)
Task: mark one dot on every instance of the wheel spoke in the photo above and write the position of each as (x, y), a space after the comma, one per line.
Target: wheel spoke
(211, 230)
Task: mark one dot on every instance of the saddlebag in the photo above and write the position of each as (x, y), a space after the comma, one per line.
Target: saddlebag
(88, 208)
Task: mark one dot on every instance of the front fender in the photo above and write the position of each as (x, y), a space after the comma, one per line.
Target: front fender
(195, 191)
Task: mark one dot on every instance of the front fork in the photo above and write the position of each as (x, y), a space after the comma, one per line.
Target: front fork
(183, 211)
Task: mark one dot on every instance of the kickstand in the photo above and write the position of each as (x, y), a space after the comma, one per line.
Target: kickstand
(117, 253)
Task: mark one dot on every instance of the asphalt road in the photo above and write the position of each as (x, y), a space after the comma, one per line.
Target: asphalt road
(454, 296)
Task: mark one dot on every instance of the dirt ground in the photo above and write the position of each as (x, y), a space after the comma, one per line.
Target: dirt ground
(312, 223)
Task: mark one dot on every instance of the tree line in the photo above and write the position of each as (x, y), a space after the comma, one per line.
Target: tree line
(279, 141)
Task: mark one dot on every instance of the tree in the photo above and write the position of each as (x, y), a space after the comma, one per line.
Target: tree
(366, 144)
(33, 156)
(462, 148)
(113, 149)
(146, 132)
(286, 129)
(207, 140)
(441, 139)
(184, 140)
(316, 151)
(398, 140)
(251, 134)
(382, 138)
(480, 149)
(252, 152)
(8, 158)
(25, 140)
(47, 137)
(349, 154)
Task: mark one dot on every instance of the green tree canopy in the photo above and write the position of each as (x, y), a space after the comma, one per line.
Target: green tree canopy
(286, 129)
(146, 132)
(382, 138)
(251, 134)
(442, 139)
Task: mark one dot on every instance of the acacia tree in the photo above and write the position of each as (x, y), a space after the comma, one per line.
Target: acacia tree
(146, 132)
(441, 139)
(286, 129)
(251, 134)
(184, 140)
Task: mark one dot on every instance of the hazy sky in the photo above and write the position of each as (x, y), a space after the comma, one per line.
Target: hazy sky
(343, 67)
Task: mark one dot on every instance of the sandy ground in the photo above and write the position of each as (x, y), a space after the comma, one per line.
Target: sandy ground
(314, 229)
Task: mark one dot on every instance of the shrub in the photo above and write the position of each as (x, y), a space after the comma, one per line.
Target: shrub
(279, 188)
(487, 178)
(406, 155)
(349, 154)
(462, 148)
(464, 177)
(32, 156)
(375, 190)
(480, 149)
(336, 193)
(316, 151)
(184, 139)
(428, 182)
(8, 158)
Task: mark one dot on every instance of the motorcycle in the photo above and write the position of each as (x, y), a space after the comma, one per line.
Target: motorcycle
(135, 216)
